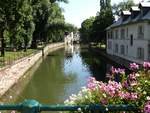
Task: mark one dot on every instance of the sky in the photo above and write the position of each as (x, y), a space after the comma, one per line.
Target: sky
(76, 11)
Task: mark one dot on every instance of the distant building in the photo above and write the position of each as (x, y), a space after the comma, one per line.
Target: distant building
(69, 38)
(129, 37)
(77, 37)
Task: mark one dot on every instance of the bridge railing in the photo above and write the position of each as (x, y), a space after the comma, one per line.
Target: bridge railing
(33, 106)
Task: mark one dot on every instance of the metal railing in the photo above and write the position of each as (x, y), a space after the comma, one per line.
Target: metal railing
(33, 106)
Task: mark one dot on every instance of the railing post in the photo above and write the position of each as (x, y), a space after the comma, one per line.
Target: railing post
(30, 106)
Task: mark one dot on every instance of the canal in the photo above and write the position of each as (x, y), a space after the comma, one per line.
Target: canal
(59, 75)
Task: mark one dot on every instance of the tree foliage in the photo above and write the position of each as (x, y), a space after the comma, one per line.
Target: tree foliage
(125, 5)
(25, 22)
(86, 29)
(96, 32)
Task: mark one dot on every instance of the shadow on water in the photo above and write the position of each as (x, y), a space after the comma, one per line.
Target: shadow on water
(98, 66)
(52, 55)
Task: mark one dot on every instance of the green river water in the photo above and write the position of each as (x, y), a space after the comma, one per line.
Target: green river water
(61, 73)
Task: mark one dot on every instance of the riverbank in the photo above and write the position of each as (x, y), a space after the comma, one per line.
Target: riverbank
(10, 74)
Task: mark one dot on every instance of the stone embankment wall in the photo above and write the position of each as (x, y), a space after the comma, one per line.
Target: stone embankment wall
(10, 75)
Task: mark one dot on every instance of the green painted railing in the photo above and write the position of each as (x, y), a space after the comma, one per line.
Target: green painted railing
(32, 106)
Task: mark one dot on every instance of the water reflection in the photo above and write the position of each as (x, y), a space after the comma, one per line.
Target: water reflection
(63, 73)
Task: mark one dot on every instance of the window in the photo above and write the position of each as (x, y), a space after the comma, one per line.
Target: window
(108, 35)
(131, 40)
(122, 50)
(140, 32)
(127, 32)
(116, 32)
(116, 48)
(109, 44)
(122, 34)
(111, 33)
(140, 53)
(127, 49)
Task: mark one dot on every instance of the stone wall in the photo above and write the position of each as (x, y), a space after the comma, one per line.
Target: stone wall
(10, 75)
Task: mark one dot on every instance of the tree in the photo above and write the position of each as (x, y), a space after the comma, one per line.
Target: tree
(44, 10)
(86, 29)
(103, 19)
(125, 5)
(6, 10)
(17, 23)
(102, 4)
(25, 20)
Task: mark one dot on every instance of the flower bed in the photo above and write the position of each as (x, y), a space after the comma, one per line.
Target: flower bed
(121, 88)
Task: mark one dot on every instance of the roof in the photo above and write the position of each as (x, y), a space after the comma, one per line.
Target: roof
(129, 19)
(135, 8)
(126, 12)
(145, 4)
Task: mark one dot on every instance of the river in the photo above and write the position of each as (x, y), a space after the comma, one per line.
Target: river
(59, 75)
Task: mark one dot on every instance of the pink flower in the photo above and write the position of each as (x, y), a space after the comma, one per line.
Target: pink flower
(146, 65)
(133, 96)
(121, 71)
(132, 77)
(130, 96)
(125, 84)
(121, 94)
(91, 86)
(134, 66)
(147, 107)
(111, 88)
(126, 95)
(91, 83)
(117, 70)
(91, 79)
(104, 101)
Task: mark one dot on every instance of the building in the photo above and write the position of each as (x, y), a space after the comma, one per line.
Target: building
(69, 38)
(129, 36)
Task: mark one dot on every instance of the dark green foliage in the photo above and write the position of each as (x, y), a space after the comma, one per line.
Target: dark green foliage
(26, 22)
(102, 21)
(96, 30)
(86, 30)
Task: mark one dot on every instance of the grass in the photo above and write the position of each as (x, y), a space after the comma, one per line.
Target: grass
(11, 56)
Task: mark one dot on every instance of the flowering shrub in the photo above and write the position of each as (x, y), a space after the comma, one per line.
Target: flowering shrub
(133, 88)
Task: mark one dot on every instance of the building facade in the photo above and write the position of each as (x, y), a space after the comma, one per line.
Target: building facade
(69, 38)
(129, 37)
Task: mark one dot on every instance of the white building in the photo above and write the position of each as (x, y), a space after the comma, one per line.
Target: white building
(129, 37)
(69, 38)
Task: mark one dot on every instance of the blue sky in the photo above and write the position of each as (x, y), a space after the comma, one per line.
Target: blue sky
(78, 10)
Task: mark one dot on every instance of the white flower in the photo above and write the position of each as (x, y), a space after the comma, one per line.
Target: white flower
(139, 88)
(148, 97)
(144, 92)
(86, 96)
(66, 101)
(106, 109)
(137, 74)
(104, 95)
(79, 109)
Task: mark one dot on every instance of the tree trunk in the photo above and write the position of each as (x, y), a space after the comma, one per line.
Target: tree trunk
(34, 41)
(2, 43)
